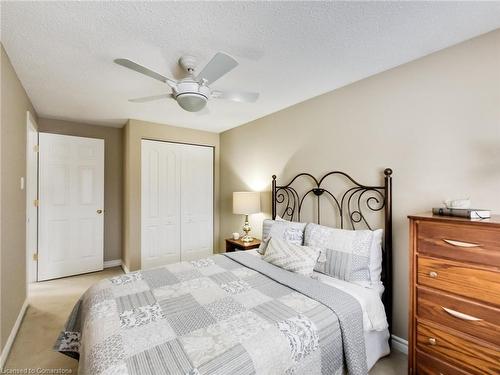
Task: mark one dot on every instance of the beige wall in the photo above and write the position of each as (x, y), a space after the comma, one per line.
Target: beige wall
(135, 131)
(434, 121)
(113, 176)
(14, 105)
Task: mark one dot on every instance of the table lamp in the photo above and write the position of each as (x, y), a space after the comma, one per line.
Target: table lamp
(246, 203)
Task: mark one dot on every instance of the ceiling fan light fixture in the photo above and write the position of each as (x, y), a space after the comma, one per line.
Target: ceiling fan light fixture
(191, 101)
(192, 93)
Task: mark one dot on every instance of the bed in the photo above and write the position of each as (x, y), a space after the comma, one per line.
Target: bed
(236, 313)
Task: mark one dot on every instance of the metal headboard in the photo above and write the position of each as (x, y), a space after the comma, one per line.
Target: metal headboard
(351, 205)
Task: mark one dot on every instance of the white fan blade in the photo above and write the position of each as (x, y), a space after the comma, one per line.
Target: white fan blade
(143, 70)
(236, 96)
(217, 67)
(150, 98)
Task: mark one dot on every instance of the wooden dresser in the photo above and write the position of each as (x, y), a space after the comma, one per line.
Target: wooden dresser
(454, 323)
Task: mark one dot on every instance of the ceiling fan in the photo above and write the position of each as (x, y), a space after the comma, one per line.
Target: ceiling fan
(193, 91)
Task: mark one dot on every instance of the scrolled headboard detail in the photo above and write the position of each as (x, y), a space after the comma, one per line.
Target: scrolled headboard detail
(352, 205)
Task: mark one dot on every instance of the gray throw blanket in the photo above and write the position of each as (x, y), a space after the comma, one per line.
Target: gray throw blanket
(345, 306)
(228, 314)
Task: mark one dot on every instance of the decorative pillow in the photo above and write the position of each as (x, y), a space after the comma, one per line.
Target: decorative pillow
(291, 257)
(285, 230)
(345, 253)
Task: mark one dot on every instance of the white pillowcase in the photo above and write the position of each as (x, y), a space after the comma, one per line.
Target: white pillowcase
(375, 264)
(291, 257)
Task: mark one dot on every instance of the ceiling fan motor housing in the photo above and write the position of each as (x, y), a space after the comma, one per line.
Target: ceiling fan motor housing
(191, 96)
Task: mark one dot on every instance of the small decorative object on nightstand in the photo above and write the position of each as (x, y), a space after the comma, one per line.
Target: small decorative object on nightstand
(246, 203)
(234, 245)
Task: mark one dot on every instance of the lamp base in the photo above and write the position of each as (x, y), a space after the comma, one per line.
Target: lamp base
(246, 238)
(246, 228)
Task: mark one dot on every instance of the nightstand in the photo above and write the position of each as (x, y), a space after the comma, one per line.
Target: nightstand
(232, 245)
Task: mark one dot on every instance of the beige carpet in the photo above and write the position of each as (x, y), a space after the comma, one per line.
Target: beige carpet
(52, 301)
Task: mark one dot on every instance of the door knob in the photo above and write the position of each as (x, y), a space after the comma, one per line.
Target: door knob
(99, 212)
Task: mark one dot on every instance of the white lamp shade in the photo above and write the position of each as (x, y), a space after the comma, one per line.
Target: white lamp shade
(246, 202)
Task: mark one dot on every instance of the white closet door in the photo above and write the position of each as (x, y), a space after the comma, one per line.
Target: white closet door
(160, 237)
(196, 202)
(71, 193)
(177, 202)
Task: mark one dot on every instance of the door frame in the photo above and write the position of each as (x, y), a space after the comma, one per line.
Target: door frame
(31, 207)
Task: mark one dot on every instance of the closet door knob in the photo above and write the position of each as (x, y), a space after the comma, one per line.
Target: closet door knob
(99, 212)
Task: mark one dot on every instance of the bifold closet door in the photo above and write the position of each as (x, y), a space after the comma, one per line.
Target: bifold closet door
(160, 204)
(196, 202)
(177, 202)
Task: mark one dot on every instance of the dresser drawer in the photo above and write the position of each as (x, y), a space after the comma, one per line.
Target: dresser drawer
(474, 357)
(459, 278)
(466, 242)
(427, 365)
(473, 318)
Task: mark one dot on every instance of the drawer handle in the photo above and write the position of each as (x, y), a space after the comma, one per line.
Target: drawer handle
(432, 341)
(460, 315)
(461, 243)
(433, 274)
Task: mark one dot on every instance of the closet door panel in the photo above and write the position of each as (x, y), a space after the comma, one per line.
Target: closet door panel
(196, 202)
(160, 211)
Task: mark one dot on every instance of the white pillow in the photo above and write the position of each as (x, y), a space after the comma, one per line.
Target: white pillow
(375, 264)
(291, 257)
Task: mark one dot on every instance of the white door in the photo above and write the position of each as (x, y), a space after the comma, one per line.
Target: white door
(177, 202)
(196, 202)
(160, 237)
(71, 194)
(31, 198)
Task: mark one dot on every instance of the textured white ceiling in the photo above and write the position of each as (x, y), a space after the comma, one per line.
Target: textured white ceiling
(288, 51)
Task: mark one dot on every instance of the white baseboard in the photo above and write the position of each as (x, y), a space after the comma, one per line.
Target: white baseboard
(112, 263)
(399, 344)
(124, 268)
(13, 334)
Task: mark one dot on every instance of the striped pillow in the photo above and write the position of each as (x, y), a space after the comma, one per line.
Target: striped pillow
(345, 254)
(291, 257)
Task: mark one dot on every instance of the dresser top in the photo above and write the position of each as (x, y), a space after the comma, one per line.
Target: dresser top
(493, 221)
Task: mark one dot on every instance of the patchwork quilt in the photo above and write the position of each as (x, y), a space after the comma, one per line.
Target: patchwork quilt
(229, 314)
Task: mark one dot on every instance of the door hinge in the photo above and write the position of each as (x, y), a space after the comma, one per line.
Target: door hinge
(35, 256)
(36, 148)
(36, 202)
